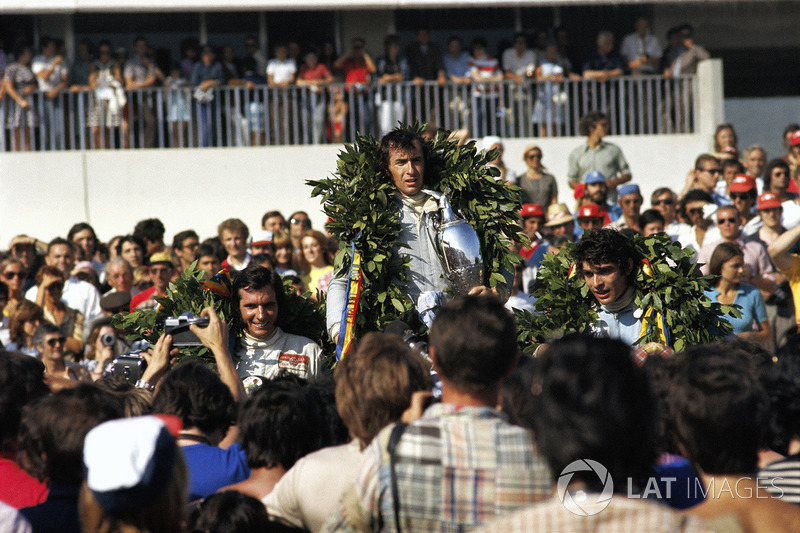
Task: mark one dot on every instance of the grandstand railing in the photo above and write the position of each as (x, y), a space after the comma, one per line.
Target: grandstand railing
(301, 115)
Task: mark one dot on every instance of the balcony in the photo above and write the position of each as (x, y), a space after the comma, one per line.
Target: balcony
(240, 116)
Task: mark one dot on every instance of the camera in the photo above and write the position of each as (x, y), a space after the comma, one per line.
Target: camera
(130, 367)
(178, 327)
(108, 339)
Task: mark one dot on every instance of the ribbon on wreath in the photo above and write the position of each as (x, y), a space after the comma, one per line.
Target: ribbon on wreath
(352, 295)
(662, 329)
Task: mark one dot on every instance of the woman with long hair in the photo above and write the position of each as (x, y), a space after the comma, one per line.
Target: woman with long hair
(284, 254)
(22, 326)
(13, 272)
(50, 281)
(727, 264)
(315, 262)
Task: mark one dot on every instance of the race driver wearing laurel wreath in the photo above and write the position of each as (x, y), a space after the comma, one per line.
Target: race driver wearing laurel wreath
(403, 156)
(606, 260)
(265, 349)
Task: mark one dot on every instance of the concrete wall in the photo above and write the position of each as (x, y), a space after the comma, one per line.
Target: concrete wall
(762, 120)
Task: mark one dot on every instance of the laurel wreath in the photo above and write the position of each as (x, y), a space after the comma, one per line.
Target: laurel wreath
(359, 198)
(676, 289)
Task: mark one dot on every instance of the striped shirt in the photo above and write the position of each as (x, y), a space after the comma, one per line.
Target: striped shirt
(782, 479)
(457, 467)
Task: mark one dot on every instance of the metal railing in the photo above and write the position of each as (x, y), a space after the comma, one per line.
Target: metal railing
(300, 115)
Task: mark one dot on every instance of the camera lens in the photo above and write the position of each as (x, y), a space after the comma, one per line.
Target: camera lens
(108, 339)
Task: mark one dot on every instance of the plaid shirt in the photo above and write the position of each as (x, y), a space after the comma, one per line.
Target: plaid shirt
(457, 467)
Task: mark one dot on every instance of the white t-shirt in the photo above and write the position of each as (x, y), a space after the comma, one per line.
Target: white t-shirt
(518, 65)
(281, 71)
(40, 63)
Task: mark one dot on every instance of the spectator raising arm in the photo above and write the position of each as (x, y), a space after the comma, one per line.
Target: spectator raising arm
(780, 247)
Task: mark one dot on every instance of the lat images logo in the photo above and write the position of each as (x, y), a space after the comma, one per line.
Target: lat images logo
(580, 502)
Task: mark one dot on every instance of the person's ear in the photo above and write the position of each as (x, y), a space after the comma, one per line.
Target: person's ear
(630, 267)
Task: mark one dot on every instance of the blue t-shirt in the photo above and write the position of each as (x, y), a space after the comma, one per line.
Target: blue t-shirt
(753, 308)
(211, 468)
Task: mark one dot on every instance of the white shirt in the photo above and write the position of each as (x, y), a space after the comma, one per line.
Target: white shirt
(310, 491)
(78, 295)
(282, 350)
(40, 63)
(281, 71)
(518, 65)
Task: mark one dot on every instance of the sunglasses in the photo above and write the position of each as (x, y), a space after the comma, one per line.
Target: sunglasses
(668, 201)
(304, 221)
(57, 340)
(632, 201)
(55, 287)
(533, 156)
(12, 275)
(735, 196)
(695, 211)
(726, 221)
(711, 170)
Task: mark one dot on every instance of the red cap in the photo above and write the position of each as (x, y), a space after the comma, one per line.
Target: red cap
(768, 200)
(742, 183)
(531, 210)
(794, 140)
(591, 211)
(579, 189)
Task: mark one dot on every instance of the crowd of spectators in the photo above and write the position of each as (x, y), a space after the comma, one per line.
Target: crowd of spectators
(122, 109)
(702, 440)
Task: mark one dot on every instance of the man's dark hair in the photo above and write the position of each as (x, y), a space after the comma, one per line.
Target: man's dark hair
(732, 162)
(477, 357)
(45, 328)
(21, 382)
(195, 394)
(606, 245)
(591, 401)
(455, 38)
(650, 215)
(57, 241)
(177, 241)
(270, 214)
(589, 121)
(717, 409)
(205, 249)
(255, 278)
(403, 140)
(704, 158)
(77, 228)
(772, 165)
(231, 511)
(280, 423)
(151, 229)
(781, 380)
(131, 238)
(53, 428)
(478, 42)
(686, 29)
(695, 195)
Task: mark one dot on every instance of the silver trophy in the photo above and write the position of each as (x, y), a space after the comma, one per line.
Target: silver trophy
(458, 247)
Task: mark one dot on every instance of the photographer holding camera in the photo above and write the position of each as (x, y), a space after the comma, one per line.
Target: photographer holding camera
(214, 337)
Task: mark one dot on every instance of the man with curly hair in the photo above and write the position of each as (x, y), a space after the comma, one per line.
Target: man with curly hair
(606, 260)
